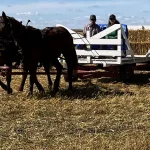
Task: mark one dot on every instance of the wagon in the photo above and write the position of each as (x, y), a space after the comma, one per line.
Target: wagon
(95, 63)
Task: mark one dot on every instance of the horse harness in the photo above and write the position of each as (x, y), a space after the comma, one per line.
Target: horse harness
(45, 32)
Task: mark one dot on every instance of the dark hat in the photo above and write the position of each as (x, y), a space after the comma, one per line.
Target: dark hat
(93, 17)
(112, 17)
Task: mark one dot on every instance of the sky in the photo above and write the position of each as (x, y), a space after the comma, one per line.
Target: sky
(75, 14)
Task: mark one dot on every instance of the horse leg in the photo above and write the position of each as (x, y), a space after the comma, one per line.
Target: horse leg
(24, 77)
(47, 67)
(39, 86)
(70, 72)
(4, 86)
(70, 76)
(33, 79)
(59, 68)
(8, 79)
(71, 61)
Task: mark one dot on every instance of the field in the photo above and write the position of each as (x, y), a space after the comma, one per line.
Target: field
(100, 114)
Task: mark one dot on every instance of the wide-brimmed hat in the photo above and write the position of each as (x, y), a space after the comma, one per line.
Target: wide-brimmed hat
(93, 17)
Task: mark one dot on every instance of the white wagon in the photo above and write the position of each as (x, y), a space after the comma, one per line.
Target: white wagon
(111, 60)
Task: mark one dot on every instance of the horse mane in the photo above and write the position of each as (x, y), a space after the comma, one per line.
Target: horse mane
(31, 28)
(16, 22)
(30, 33)
(1, 19)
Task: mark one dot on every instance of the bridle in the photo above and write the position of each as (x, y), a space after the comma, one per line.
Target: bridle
(11, 35)
(4, 41)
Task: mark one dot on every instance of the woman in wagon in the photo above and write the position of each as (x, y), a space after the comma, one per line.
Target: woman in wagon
(113, 35)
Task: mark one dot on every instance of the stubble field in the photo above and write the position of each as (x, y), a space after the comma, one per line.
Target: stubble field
(100, 114)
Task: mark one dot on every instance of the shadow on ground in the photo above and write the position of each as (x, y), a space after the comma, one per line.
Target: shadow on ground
(138, 79)
(87, 92)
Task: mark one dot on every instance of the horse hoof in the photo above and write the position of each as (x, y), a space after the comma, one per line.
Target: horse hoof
(42, 92)
(9, 91)
(54, 92)
(74, 78)
(29, 94)
(50, 87)
(70, 88)
(20, 89)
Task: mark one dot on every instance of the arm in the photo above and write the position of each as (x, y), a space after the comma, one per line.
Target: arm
(84, 31)
(98, 28)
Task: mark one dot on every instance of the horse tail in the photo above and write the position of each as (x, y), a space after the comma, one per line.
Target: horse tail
(75, 62)
(71, 60)
(71, 57)
(74, 59)
(74, 55)
(68, 47)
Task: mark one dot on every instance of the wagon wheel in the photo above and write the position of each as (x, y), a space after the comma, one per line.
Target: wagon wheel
(126, 72)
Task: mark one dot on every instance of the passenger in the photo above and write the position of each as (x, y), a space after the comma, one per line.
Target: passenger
(94, 29)
(112, 35)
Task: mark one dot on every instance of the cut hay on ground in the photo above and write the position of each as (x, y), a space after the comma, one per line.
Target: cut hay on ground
(102, 114)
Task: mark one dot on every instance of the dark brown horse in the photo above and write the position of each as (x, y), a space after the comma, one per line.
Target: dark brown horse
(8, 54)
(45, 48)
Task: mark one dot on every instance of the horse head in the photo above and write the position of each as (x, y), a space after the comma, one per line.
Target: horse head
(5, 31)
(10, 27)
(4, 26)
(7, 42)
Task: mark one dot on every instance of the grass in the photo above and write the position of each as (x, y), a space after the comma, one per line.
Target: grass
(99, 114)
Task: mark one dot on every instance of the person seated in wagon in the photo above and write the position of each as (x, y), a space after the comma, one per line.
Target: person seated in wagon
(113, 35)
(94, 29)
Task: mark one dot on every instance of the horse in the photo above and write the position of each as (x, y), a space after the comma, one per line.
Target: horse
(11, 52)
(8, 54)
(40, 47)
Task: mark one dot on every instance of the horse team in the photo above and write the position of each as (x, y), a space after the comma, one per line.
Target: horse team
(31, 46)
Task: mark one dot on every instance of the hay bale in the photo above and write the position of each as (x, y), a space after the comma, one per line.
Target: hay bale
(140, 41)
